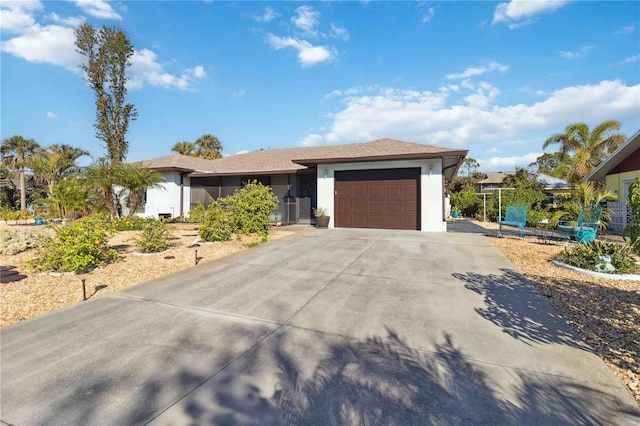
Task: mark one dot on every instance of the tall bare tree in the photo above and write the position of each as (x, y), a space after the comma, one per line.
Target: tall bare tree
(108, 52)
(15, 151)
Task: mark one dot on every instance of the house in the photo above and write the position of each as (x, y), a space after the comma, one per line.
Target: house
(617, 173)
(553, 187)
(386, 183)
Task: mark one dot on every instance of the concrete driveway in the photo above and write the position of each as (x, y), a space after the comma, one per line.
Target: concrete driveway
(325, 327)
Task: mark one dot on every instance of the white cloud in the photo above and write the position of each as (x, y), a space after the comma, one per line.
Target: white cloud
(312, 139)
(244, 151)
(428, 15)
(52, 115)
(306, 19)
(337, 32)
(51, 44)
(473, 71)
(199, 72)
(626, 29)
(239, 93)
(631, 59)
(269, 15)
(493, 150)
(73, 21)
(54, 44)
(508, 163)
(98, 9)
(17, 16)
(436, 118)
(145, 68)
(308, 54)
(577, 54)
(517, 13)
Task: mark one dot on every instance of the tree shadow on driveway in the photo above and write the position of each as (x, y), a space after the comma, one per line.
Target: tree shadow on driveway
(513, 304)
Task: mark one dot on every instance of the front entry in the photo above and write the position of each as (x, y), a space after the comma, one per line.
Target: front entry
(380, 198)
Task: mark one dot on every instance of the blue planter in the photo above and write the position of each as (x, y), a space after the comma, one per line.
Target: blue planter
(39, 221)
(455, 214)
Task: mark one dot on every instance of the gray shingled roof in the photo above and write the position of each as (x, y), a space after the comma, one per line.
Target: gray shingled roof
(289, 160)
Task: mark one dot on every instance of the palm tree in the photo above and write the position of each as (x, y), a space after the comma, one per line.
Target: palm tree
(185, 148)
(103, 175)
(209, 147)
(15, 150)
(135, 179)
(587, 195)
(53, 164)
(587, 148)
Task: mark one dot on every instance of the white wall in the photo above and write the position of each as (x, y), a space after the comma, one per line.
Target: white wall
(166, 198)
(431, 219)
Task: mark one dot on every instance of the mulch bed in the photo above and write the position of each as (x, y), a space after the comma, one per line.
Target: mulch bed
(604, 312)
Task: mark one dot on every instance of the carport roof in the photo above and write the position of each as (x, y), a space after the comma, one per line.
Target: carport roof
(290, 160)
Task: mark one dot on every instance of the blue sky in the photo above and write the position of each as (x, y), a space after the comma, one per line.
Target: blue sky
(496, 78)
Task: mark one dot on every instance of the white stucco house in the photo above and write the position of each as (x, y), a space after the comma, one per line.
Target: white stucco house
(386, 183)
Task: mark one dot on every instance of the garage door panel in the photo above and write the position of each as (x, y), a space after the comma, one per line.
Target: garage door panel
(386, 198)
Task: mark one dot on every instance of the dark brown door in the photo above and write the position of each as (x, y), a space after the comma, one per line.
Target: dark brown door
(384, 198)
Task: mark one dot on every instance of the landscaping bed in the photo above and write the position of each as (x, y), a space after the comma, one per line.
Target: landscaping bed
(41, 293)
(604, 312)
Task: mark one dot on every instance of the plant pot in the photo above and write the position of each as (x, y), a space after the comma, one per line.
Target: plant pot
(322, 221)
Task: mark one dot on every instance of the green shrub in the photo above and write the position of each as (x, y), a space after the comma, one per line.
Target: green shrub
(198, 213)
(16, 215)
(81, 245)
(467, 203)
(217, 223)
(251, 208)
(16, 241)
(134, 223)
(153, 237)
(586, 256)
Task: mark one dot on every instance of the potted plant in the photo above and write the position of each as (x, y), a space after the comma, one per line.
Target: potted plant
(322, 220)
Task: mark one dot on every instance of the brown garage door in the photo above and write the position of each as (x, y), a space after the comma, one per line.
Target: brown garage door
(384, 199)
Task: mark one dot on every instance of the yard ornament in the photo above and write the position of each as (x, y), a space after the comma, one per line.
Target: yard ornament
(605, 264)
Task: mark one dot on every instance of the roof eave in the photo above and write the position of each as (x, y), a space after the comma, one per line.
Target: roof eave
(599, 173)
(370, 158)
(244, 173)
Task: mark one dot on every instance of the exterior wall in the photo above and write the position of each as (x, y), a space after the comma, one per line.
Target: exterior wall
(615, 182)
(431, 184)
(620, 212)
(166, 198)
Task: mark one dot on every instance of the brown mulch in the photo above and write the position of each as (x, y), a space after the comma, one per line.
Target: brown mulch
(41, 293)
(604, 312)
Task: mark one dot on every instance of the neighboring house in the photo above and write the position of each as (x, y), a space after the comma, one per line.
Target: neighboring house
(553, 187)
(381, 184)
(617, 173)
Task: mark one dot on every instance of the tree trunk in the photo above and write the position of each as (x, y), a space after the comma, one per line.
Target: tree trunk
(23, 191)
(107, 193)
(134, 199)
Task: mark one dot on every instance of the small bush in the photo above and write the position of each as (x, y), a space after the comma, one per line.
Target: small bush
(14, 242)
(134, 223)
(586, 256)
(153, 237)
(16, 215)
(251, 208)
(81, 245)
(198, 213)
(217, 223)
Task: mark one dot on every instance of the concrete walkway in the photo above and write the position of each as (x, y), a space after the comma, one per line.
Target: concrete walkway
(324, 327)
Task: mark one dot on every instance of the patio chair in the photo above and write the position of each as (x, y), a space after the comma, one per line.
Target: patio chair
(584, 229)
